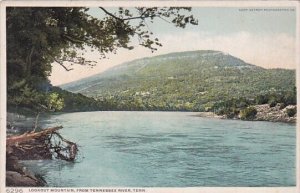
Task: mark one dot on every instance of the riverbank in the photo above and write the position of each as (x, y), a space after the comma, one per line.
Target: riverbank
(35, 146)
(276, 113)
(18, 175)
(264, 113)
(210, 115)
(23, 142)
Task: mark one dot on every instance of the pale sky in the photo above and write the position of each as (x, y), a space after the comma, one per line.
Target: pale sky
(263, 37)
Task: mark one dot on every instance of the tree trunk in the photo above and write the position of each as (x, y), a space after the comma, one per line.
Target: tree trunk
(36, 122)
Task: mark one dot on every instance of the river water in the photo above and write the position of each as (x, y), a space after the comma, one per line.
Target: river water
(171, 149)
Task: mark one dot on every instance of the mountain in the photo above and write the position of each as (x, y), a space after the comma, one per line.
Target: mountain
(194, 80)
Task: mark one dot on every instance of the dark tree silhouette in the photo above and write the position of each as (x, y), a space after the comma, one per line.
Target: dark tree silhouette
(37, 37)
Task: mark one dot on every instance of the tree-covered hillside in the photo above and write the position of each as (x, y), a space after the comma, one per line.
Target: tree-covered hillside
(188, 81)
(39, 37)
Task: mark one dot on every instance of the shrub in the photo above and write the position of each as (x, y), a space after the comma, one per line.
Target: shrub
(291, 112)
(261, 99)
(248, 113)
(282, 106)
(272, 103)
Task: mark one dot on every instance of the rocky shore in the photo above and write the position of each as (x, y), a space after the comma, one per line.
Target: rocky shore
(278, 113)
(209, 115)
(18, 175)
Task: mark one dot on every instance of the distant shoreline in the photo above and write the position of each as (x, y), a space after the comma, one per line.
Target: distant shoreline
(209, 115)
(264, 113)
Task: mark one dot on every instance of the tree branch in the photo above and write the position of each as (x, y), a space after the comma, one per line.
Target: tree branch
(83, 62)
(60, 63)
(164, 19)
(139, 17)
(72, 39)
(28, 62)
(10, 141)
(129, 18)
(110, 14)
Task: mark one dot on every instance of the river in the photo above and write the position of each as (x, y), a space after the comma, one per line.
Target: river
(171, 149)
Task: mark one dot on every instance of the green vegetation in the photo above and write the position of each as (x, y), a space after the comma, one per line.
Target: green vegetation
(39, 37)
(76, 102)
(189, 81)
(55, 102)
(248, 113)
(291, 112)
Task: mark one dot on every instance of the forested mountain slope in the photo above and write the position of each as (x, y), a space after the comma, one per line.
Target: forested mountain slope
(193, 81)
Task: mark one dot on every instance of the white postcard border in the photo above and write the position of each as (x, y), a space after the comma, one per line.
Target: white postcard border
(5, 4)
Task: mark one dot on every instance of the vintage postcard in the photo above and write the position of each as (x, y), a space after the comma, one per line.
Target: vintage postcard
(152, 96)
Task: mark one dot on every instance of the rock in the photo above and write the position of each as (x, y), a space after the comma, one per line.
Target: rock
(275, 114)
(16, 179)
(19, 176)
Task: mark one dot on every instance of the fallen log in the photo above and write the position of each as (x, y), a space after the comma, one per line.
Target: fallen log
(70, 150)
(30, 136)
(41, 145)
(45, 144)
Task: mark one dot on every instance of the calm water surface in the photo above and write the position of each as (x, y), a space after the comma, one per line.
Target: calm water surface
(171, 149)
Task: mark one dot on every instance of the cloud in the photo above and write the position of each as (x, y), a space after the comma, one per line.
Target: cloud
(268, 51)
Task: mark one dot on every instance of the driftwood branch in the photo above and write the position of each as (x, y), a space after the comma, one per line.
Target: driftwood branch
(45, 144)
(10, 141)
